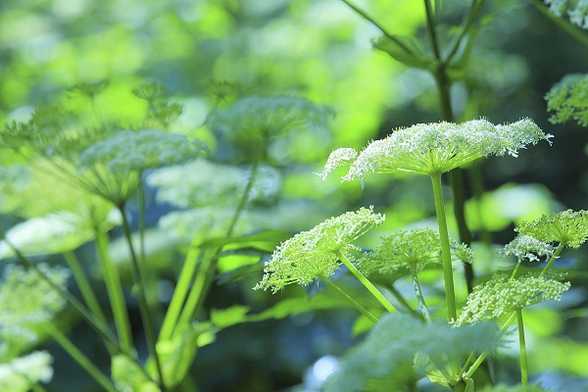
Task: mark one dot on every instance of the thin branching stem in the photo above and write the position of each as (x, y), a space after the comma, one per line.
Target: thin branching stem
(472, 15)
(358, 305)
(578, 34)
(367, 283)
(81, 359)
(418, 290)
(376, 24)
(143, 304)
(402, 301)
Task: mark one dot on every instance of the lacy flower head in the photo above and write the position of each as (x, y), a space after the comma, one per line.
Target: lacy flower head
(409, 251)
(23, 373)
(567, 100)
(575, 10)
(250, 124)
(26, 303)
(527, 248)
(502, 295)
(111, 167)
(314, 253)
(569, 228)
(435, 148)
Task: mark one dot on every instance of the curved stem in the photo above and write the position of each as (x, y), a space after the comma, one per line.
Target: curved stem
(367, 283)
(522, 348)
(84, 286)
(181, 291)
(445, 249)
(81, 359)
(143, 305)
(114, 290)
(207, 268)
(423, 309)
(552, 259)
(362, 309)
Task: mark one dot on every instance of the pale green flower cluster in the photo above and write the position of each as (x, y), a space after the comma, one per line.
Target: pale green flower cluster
(434, 148)
(527, 248)
(26, 303)
(567, 100)
(20, 374)
(250, 123)
(576, 10)
(408, 251)
(314, 253)
(502, 295)
(215, 183)
(134, 151)
(569, 228)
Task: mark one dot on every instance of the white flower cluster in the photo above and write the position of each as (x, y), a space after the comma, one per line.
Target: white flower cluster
(501, 295)
(313, 254)
(431, 148)
(576, 10)
(20, 374)
(527, 248)
(569, 228)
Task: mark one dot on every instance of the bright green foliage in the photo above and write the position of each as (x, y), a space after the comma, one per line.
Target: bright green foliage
(526, 248)
(502, 295)
(569, 228)
(568, 100)
(20, 374)
(408, 251)
(160, 112)
(215, 184)
(390, 348)
(436, 148)
(129, 151)
(313, 254)
(576, 10)
(128, 376)
(27, 302)
(250, 125)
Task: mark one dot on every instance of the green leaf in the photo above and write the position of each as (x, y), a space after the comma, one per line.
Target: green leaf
(223, 318)
(417, 59)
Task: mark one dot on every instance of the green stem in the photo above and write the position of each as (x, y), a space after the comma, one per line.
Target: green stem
(180, 293)
(143, 305)
(141, 203)
(84, 285)
(423, 308)
(432, 30)
(516, 269)
(477, 183)
(81, 359)
(114, 290)
(445, 249)
(552, 259)
(577, 33)
(402, 301)
(362, 309)
(98, 326)
(207, 268)
(522, 348)
(367, 283)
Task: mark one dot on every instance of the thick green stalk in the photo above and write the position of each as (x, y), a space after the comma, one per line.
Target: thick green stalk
(367, 283)
(522, 348)
(114, 290)
(207, 268)
(362, 309)
(180, 293)
(143, 305)
(445, 249)
(84, 286)
(81, 359)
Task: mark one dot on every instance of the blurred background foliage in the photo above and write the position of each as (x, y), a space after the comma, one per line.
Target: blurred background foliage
(209, 53)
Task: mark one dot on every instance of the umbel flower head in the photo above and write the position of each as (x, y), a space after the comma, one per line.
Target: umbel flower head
(408, 251)
(21, 374)
(26, 303)
(567, 100)
(314, 253)
(435, 148)
(569, 228)
(576, 10)
(250, 124)
(527, 248)
(502, 295)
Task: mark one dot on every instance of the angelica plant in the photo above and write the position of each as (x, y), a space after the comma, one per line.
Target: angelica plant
(431, 150)
(317, 253)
